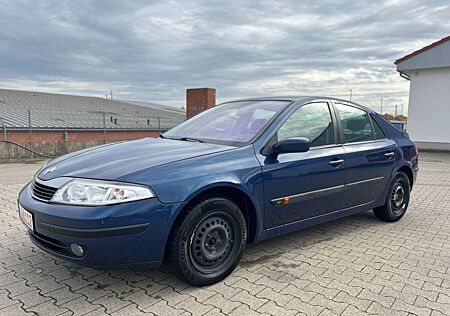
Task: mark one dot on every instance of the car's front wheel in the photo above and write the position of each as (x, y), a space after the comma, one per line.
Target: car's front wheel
(208, 241)
(397, 199)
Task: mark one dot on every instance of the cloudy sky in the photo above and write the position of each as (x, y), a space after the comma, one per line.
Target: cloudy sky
(154, 50)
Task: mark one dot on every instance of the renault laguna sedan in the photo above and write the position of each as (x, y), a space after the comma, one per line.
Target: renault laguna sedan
(238, 173)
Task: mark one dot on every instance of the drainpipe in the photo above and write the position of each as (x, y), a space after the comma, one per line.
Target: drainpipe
(404, 76)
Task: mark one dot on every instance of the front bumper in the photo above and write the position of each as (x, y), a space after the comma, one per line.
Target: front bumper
(121, 234)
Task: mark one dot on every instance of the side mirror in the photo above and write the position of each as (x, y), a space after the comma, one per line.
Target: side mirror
(291, 145)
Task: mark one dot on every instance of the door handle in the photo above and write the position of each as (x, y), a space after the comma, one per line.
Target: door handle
(389, 154)
(336, 162)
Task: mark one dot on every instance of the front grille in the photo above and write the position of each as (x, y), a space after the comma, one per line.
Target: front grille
(43, 192)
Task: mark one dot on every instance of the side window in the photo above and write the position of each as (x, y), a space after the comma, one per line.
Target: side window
(355, 124)
(312, 121)
(378, 132)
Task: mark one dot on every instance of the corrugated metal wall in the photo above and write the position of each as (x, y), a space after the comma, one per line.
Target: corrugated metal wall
(436, 57)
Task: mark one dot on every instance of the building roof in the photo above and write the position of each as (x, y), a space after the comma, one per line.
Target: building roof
(435, 55)
(155, 106)
(50, 110)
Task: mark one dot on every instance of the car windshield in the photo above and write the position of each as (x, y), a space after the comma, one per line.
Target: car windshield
(228, 122)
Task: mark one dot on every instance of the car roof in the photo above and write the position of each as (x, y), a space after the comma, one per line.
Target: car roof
(303, 99)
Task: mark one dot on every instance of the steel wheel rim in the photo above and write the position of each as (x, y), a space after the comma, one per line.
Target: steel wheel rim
(213, 242)
(398, 197)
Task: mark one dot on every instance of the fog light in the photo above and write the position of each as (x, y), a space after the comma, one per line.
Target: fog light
(77, 250)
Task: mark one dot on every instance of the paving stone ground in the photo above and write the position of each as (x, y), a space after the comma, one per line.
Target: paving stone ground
(353, 266)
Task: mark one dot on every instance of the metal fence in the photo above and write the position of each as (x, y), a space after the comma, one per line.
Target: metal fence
(400, 125)
(38, 134)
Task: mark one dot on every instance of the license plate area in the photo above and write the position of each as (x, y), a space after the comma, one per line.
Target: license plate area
(26, 217)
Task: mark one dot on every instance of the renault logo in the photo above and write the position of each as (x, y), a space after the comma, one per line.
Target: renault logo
(48, 170)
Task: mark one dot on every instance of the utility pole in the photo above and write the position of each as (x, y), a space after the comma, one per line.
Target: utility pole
(350, 94)
(381, 106)
(110, 93)
(104, 128)
(396, 111)
(4, 128)
(29, 133)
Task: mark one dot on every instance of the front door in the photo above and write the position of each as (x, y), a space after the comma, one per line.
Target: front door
(303, 185)
(369, 156)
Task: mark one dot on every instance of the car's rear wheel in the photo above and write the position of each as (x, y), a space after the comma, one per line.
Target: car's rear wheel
(397, 199)
(208, 241)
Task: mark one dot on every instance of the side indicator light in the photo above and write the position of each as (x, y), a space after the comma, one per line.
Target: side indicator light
(286, 200)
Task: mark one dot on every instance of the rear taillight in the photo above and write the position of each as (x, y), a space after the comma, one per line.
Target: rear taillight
(417, 149)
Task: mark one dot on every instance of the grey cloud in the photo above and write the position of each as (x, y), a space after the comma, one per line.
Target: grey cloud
(153, 50)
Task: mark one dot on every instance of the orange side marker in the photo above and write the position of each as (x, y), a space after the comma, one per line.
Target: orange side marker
(285, 200)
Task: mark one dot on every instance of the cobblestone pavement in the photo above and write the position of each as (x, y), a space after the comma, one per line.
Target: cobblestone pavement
(352, 266)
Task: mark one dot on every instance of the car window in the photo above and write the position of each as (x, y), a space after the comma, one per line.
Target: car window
(231, 122)
(379, 134)
(312, 121)
(355, 123)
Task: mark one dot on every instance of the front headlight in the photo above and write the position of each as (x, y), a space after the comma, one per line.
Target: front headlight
(97, 192)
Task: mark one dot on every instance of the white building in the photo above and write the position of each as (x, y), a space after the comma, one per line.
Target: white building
(428, 70)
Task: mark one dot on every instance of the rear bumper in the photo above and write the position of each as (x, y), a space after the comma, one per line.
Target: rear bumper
(415, 171)
(132, 233)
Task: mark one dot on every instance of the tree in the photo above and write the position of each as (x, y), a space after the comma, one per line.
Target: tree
(391, 117)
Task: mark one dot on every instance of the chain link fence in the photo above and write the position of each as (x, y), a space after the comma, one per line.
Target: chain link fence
(36, 134)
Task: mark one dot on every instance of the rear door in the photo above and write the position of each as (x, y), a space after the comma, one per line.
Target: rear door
(369, 157)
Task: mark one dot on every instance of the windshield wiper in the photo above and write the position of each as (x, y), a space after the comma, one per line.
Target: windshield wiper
(190, 139)
(186, 139)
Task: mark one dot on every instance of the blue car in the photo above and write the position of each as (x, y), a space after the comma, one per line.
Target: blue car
(238, 173)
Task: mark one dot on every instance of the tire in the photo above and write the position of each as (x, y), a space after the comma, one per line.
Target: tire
(397, 199)
(207, 242)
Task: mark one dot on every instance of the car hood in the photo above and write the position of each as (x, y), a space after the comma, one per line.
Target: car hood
(117, 160)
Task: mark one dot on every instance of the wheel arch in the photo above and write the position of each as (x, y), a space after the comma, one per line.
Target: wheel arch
(408, 171)
(235, 194)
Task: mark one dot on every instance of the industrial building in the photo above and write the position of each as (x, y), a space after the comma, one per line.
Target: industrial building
(428, 70)
(54, 124)
(70, 117)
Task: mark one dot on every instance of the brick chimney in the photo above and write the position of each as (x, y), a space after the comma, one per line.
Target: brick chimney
(198, 100)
